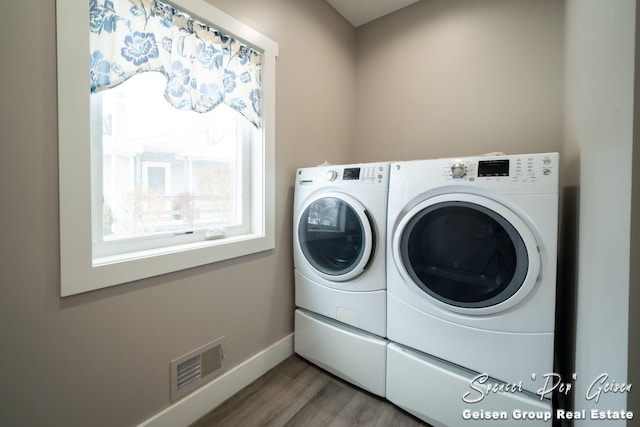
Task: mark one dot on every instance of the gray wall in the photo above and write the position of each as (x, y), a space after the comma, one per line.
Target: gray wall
(447, 78)
(102, 358)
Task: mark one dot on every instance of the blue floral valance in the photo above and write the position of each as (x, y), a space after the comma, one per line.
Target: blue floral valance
(203, 67)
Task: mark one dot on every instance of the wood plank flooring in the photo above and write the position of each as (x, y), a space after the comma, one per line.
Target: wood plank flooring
(298, 393)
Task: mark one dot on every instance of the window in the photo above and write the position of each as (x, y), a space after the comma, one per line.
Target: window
(162, 176)
(147, 188)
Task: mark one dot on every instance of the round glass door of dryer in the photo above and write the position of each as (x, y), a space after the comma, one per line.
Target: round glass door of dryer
(466, 255)
(335, 236)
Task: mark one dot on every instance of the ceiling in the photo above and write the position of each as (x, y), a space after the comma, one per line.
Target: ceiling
(359, 12)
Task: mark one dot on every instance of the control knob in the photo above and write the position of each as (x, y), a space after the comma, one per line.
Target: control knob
(331, 175)
(458, 170)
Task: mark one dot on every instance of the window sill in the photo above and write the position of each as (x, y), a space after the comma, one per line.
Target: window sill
(178, 249)
(113, 270)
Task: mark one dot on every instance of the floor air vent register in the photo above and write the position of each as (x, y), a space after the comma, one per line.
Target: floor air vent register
(195, 369)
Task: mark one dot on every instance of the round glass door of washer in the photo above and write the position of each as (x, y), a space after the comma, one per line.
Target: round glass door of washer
(335, 236)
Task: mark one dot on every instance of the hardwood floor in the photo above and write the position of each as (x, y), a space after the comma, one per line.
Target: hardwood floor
(298, 393)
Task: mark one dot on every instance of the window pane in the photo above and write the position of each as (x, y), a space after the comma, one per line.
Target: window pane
(166, 171)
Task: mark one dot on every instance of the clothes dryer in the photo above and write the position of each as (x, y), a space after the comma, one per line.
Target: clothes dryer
(471, 263)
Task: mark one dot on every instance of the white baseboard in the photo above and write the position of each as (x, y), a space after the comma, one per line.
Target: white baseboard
(203, 400)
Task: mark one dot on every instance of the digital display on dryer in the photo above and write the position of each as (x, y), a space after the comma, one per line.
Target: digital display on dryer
(351, 174)
(487, 168)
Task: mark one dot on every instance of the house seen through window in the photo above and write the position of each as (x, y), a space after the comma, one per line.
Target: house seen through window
(163, 172)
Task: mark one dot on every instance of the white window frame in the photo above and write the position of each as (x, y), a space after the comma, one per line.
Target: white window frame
(79, 271)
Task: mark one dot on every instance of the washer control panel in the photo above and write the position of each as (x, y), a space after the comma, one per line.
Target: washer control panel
(375, 174)
(362, 173)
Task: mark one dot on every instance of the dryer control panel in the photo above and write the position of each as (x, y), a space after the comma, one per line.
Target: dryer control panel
(505, 173)
(523, 169)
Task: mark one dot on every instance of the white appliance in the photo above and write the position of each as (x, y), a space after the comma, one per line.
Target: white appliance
(350, 353)
(339, 232)
(471, 265)
(340, 217)
(435, 391)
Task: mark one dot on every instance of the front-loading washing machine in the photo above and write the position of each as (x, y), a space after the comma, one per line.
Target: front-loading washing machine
(471, 264)
(339, 242)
